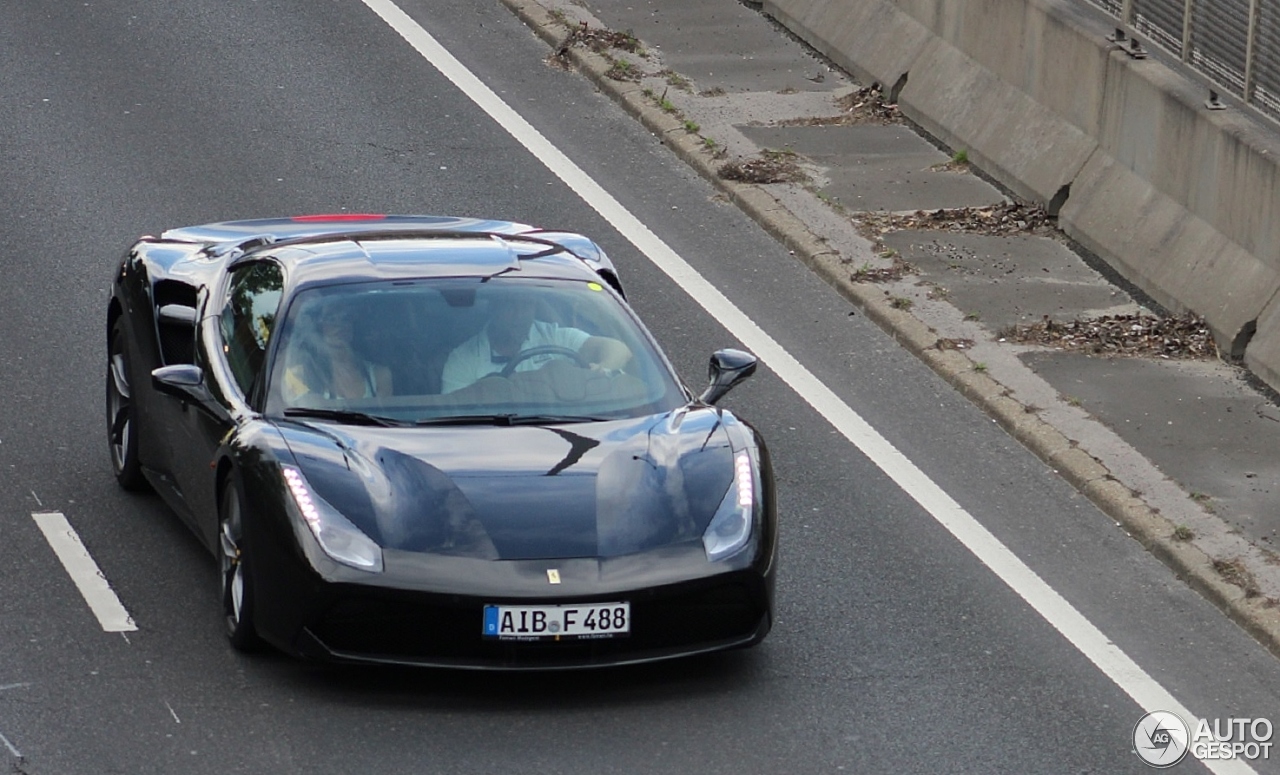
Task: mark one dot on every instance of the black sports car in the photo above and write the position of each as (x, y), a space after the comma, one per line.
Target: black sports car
(436, 441)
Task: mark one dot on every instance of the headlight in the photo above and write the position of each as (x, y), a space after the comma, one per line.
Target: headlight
(339, 539)
(731, 526)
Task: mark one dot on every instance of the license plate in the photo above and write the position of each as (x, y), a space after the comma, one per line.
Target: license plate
(553, 622)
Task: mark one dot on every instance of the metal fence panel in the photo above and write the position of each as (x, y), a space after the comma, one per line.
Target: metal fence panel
(1214, 39)
(1266, 59)
(1160, 21)
(1219, 36)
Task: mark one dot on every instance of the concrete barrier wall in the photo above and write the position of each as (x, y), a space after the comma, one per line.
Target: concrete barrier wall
(1182, 201)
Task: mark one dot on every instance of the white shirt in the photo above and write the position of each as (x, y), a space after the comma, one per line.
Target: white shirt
(473, 359)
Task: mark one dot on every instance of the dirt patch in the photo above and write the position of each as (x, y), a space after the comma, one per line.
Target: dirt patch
(885, 274)
(601, 40)
(952, 165)
(1235, 572)
(863, 106)
(597, 39)
(768, 167)
(1183, 336)
(675, 79)
(558, 59)
(1002, 220)
(622, 70)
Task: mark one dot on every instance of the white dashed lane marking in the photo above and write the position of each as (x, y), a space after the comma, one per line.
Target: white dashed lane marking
(66, 543)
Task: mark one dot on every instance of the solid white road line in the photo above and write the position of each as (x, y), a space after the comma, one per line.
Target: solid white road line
(1082, 634)
(84, 572)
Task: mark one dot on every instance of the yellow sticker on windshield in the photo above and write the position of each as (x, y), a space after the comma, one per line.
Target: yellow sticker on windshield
(595, 286)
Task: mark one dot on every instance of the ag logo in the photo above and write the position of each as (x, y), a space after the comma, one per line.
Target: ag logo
(1160, 739)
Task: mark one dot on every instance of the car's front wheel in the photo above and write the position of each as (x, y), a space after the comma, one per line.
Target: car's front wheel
(122, 430)
(236, 583)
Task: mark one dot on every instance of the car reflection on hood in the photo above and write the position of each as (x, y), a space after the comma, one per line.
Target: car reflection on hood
(519, 492)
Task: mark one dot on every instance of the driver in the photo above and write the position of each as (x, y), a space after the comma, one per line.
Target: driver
(512, 330)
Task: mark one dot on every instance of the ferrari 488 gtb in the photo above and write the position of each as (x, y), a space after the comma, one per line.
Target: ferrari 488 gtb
(436, 441)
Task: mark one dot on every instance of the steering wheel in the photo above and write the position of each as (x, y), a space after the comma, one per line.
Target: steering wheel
(546, 349)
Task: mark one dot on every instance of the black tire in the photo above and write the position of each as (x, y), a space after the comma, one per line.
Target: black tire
(122, 428)
(235, 575)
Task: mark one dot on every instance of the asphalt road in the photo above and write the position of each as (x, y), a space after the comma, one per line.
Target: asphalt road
(895, 649)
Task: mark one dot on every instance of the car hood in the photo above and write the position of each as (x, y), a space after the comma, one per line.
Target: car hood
(599, 489)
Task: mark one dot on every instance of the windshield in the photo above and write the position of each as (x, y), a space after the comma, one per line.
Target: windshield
(466, 350)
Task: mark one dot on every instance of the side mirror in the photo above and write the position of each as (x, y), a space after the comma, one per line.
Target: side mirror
(181, 380)
(727, 368)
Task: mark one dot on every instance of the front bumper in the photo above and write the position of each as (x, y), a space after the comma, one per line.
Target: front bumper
(429, 610)
(381, 626)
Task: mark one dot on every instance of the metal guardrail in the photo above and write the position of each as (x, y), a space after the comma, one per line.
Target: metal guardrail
(1234, 43)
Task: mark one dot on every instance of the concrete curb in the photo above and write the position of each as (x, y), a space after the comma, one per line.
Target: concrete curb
(1084, 472)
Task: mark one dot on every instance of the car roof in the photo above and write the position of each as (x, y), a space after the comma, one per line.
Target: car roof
(367, 256)
(301, 226)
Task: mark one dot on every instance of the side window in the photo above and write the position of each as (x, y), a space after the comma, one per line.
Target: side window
(248, 319)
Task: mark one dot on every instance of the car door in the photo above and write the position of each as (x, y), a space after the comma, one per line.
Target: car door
(231, 351)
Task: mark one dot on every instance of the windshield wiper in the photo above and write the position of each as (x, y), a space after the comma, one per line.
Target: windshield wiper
(556, 419)
(510, 419)
(344, 416)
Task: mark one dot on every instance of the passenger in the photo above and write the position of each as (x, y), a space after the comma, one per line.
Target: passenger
(511, 330)
(326, 364)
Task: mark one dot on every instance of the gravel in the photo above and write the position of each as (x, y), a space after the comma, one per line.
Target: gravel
(769, 167)
(1002, 220)
(862, 106)
(1182, 336)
